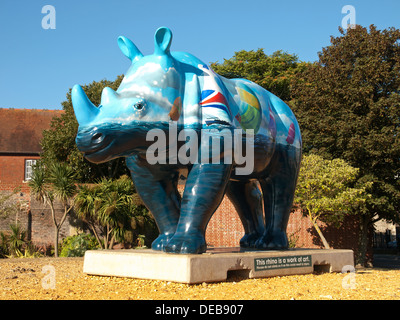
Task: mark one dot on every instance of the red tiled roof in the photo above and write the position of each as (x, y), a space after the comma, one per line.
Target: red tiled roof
(21, 129)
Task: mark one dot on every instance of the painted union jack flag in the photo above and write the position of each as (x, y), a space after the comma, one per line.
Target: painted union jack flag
(214, 99)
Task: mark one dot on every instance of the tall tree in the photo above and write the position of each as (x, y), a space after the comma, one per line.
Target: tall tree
(59, 145)
(56, 182)
(273, 72)
(348, 106)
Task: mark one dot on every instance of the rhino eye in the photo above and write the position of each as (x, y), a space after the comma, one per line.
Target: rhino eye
(139, 105)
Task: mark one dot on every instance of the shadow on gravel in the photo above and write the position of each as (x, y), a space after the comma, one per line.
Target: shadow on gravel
(387, 261)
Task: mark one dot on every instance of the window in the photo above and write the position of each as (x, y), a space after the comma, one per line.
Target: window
(28, 169)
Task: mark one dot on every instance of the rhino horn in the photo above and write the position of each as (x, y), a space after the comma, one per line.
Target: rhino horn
(85, 110)
(108, 95)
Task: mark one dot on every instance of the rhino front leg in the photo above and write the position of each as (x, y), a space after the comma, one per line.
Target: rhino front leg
(204, 190)
(158, 190)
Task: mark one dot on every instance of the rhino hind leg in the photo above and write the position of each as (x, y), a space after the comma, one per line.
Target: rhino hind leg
(247, 200)
(278, 193)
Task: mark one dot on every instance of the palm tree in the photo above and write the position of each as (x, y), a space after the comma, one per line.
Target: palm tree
(115, 214)
(56, 182)
(16, 240)
(87, 204)
(109, 206)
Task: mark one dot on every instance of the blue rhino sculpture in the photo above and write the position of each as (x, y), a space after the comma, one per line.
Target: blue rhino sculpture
(172, 93)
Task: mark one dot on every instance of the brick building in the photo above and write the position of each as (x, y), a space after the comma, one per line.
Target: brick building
(20, 135)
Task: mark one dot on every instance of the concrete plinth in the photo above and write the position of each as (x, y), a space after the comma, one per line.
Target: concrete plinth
(214, 265)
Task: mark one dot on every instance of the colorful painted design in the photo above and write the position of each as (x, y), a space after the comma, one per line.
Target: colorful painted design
(291, 134)
(272, 124)
(214, 104)
(214, 99)
(249, 115)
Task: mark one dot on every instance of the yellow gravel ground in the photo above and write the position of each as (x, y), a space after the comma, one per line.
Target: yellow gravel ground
(62, 278)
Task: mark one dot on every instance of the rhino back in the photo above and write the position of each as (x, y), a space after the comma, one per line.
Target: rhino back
(262, 111)
(189, 63)
(251, 106)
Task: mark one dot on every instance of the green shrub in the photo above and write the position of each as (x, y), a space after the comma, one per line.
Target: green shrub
(14, 245)
(75, 246)
(4, 249)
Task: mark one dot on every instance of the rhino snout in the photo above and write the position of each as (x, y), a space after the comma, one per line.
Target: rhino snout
(91, 141)
(97, 138)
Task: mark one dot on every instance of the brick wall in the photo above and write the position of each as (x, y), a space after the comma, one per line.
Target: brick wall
(32, 216)
(344, 236)
(42, 225)
(12, 172)
(225, 230)
(38, 223)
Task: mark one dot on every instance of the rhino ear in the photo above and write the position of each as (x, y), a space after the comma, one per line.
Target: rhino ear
(162, 41)
(129, 49)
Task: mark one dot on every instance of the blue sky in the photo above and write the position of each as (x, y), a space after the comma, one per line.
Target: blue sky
(38, 66)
